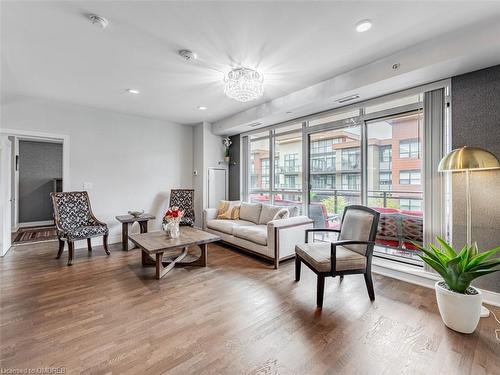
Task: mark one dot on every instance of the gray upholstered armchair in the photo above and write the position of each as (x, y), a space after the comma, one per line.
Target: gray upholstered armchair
(350, 254)
(75, 221)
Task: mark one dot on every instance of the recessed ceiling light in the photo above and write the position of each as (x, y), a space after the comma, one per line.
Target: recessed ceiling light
(133, 91)
(202, 108)
(363, 25)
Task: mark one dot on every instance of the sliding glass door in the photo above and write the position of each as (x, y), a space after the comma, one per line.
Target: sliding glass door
(370, 153)
(275, 173)
(334, 174)
(395, 182)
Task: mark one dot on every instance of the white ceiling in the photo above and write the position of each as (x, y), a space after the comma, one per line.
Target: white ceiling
(49, 49)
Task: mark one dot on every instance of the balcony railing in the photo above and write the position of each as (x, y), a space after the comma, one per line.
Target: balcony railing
(288, 169)
(400, 226)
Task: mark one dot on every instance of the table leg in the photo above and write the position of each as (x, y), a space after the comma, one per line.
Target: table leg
(125, 236)
(203, 256)
(162, 268)
(147, 260)
(143, 226)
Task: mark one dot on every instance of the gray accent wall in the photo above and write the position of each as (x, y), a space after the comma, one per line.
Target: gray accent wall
(476, 122)
(39, 164)
(234, 168)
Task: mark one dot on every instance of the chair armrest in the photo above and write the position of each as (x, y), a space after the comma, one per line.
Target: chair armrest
(209, 214)
(320, 230)
(290, 222)
(96, 220)
(333, 255)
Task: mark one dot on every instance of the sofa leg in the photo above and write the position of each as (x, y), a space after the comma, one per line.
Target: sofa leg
(105, 244)
(71, 250)
(341, 278)
(369, 285)
(298, 263)
(320, 291)
(61, 248)
(89, 244)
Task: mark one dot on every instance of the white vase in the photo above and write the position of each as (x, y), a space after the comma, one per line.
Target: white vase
(172, 229)
(175, 232)
(460, 312)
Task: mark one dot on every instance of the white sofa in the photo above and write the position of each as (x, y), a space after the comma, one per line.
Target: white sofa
(257, 233)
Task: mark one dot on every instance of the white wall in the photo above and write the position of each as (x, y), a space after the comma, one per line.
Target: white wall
(208, 152)
(132, 161)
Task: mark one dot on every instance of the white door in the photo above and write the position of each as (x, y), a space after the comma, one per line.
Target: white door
(217, 186)
(5, 196)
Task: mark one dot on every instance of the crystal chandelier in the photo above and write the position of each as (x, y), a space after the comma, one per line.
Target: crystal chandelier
(243, 84)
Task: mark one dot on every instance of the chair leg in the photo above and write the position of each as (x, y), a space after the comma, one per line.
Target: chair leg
(369, 285)
(61, 248)
(71, 250)
(298, 263)
(89, 244)
(105, 244)
(320, 291)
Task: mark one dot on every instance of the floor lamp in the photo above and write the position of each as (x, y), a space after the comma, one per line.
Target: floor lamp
(467, 159)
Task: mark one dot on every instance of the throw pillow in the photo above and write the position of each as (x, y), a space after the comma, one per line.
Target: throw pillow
(228, 210)
(282, 214)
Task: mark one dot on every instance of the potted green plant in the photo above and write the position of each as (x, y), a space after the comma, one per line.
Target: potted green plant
(459, 303)
(227, 143)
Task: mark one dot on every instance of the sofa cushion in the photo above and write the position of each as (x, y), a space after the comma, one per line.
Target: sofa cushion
(228, 210)
(250, 212)
(318, 255)
(268, 213)
(226, 226)
(254, 233)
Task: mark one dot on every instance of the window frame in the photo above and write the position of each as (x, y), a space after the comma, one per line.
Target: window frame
(425, 152)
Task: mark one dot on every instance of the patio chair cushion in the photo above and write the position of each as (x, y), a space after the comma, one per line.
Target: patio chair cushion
(318, 255)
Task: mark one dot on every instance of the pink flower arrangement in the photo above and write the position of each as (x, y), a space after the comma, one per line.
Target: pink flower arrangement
(174, 214)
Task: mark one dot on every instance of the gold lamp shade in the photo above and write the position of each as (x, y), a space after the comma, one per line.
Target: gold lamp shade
(468, 158)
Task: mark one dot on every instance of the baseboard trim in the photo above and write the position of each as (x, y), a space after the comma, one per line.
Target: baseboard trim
(36, 223)
(419, 276)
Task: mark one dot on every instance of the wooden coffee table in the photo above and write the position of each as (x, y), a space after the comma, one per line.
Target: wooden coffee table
(155, 245)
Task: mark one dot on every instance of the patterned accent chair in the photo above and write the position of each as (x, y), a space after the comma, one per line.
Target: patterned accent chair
(184, 199)
(350, 254)
(75, 221)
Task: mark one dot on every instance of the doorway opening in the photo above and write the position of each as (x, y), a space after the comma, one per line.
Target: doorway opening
(37, 169)
(34, 164)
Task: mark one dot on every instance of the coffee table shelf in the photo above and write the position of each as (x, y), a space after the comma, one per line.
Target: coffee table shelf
(163, 253)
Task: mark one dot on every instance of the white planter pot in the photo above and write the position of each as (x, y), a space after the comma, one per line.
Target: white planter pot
(459, 312)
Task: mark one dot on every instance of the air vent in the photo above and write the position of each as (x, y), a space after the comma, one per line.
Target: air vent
(347, 98)
(253, 125)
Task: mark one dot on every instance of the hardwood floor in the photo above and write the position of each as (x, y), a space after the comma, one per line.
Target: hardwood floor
(108, 315)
